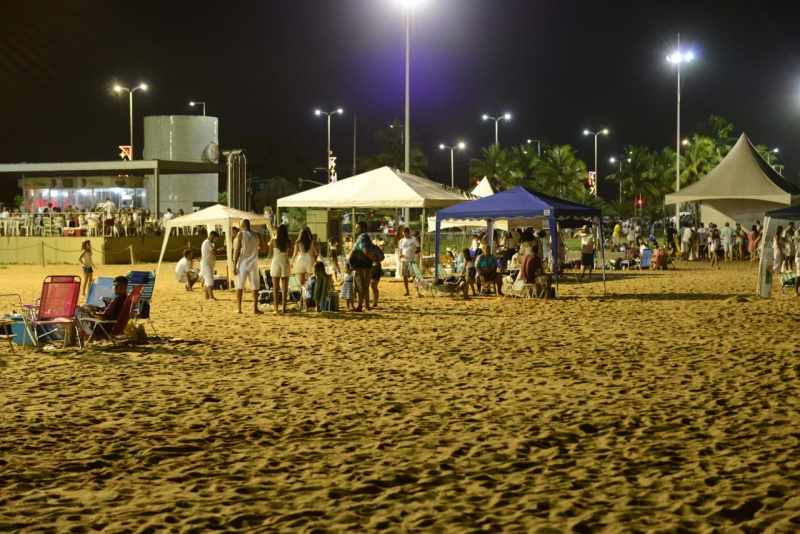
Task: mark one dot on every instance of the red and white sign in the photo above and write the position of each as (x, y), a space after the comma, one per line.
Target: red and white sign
(126, 152)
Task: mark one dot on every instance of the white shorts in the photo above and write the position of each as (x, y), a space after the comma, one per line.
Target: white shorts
(249, 275)
(728, 247)
(280, 267)
(405, 268)
(208, 275)
(304, 264)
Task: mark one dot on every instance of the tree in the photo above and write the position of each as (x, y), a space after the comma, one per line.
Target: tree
(698, 159)
(497, 165)
(719, 131)
(561, 172)
(392, 152)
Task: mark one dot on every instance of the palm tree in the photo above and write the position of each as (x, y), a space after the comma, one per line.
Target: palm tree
(392, 152)
(561, 172)
(698, 159)
(497, 165)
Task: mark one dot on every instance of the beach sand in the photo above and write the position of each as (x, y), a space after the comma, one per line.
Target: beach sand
(668, 403)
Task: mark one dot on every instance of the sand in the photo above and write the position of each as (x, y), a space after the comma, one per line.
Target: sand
(669, 403)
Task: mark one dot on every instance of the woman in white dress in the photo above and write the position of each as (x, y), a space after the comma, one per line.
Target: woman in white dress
(777, 251)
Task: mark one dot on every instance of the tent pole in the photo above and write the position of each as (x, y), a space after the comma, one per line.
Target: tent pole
(598, 225)
(554, 249)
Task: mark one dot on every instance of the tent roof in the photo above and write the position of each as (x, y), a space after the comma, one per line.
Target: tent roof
(484, 188)
(379, 188)
(519, 206)
(217, 214)
(792, 213)
(742, 175)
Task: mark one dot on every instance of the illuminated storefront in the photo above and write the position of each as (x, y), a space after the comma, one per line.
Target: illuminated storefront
(84, 192)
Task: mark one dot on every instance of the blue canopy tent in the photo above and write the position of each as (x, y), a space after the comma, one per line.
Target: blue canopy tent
(521, 207)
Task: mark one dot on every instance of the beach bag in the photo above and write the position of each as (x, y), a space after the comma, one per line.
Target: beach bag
(358, 260)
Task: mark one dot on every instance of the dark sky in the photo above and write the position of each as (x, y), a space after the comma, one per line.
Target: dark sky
(558, 66)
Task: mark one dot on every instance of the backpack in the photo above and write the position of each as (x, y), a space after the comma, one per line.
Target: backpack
(377, 253)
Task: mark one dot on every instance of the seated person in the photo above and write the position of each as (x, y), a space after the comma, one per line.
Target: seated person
(186, 271)
(318, 287)
(110, 312)
(533, 273)
(487, 273)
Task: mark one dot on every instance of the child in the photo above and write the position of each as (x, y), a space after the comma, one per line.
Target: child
(85, 260)
(715, 244)
(468, 272)
(333, 256)
(319, 286)
(348, 291)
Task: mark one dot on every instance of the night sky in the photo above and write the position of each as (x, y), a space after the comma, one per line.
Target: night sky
(262, 67)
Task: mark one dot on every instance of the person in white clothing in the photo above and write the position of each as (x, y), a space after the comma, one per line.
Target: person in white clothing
(245, 263)
(408, 253)
(208, 259)
(186, 271)
(109, 210)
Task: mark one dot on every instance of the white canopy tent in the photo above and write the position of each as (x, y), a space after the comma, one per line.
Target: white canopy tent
(218, 215)
(740, 189)
(484, 188)
(378, 188)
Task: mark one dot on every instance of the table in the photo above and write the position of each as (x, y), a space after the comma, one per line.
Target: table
(73, 232)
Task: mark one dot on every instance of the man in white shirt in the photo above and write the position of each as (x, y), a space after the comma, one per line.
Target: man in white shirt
(408, 252)
(245, 263)
(186, 271)
(587, 249)
(109, 211)
(728, 239)
(208, 260)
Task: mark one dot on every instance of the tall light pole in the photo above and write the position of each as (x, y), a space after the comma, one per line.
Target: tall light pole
(678, 58)
(496, 120)
(538, 146)
(619, 160)
(409, 4)
(452, 168)
(769, 154)
(193, 103)
(604, 131)
(119, 89)
(328, 152)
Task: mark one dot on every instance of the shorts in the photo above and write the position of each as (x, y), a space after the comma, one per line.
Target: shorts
(377, 272)
(728, 247)
(405, 268)
(87, 270)
(248, 275)
(587, 260)
(280, 267)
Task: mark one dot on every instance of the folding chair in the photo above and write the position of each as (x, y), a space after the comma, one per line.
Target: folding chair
(55, 309)
(147, 279)
(787, 280)
(94, 327)
(265, 290)
(101, 290)
(295, 291)
(516, 289)
(420, 282)
(644, 261)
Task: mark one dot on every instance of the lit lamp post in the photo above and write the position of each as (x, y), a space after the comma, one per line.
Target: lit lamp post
(496, 121)
(604, 131)
(678, 58)
(769, 155)
(538, 146)
(193, 103)
(119, 89)
(328, 153)
(619, 160)
(452, 168)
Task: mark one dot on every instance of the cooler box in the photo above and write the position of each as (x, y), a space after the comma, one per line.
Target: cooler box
(220, 283)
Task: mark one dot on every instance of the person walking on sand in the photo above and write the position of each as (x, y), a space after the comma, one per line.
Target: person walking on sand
(777, 251)
(587, 249)
(87, 264)
(208, 258)
(407, 251)
(361, 259)
(245, 263)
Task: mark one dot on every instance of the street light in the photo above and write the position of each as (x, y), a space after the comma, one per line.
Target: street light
(604, 131)
(119, 89)
(328, 153)
(769, 154)
(193, 103)
(679, 58)
(538, 146)
(496, 120)
(462, 146)
(619, 160)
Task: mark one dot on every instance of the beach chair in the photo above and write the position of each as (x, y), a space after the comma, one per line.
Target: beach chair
(295, 291)
(787, 280)
(515, 290)
(6, 321)
(265, 289)
(101, 291)
(54, 310)
(146, 279)
(421, 284)
(96, 328)
(644, 261)
(319, 291)
(179, 278)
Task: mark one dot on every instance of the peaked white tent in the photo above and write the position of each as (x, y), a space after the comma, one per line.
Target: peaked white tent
(378, 188)
(217, 215)
(740, 189)
(484, 188)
